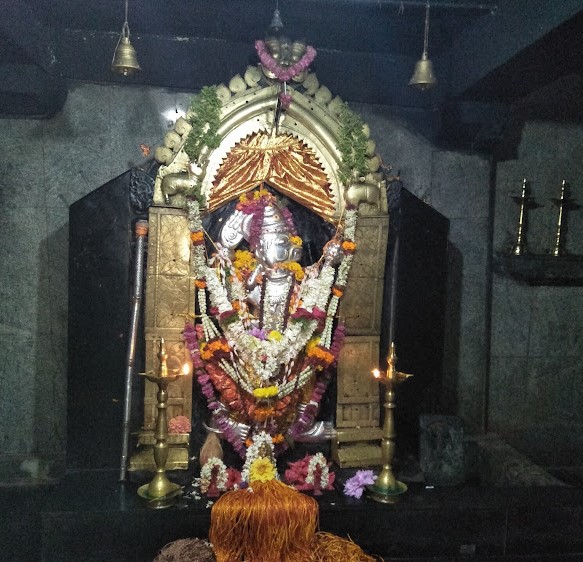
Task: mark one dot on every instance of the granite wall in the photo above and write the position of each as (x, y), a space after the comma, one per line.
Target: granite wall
(47, 165)
(535, 385)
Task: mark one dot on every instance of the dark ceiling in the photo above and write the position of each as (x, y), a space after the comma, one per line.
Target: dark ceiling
(489, 55)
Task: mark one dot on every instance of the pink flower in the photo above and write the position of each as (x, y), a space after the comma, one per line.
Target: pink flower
(297, 472)
(285, 100)
(284, 74)
(355, 486)
(179, 424)
(233, 478)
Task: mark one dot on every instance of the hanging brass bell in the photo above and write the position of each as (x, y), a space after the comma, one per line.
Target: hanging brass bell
(423, 77)
(124, 59)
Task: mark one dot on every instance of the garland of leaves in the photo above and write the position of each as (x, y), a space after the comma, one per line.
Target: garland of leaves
(205, 110)
(352, 146)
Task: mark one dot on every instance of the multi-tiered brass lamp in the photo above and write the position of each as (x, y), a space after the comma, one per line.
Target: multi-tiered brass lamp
(160, 492)
(387, 489)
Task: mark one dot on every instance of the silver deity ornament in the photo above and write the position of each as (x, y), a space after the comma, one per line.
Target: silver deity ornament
(270, 285)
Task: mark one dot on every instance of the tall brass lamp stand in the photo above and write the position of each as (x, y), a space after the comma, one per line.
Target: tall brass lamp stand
(387, 489)
(160, 491)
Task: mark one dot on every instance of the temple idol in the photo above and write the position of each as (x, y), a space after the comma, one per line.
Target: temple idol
(291, 319)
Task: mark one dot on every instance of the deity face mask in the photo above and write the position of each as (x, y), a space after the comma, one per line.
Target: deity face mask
(277, 248)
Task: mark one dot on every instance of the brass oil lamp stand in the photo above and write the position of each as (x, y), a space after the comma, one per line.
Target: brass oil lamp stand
(160, 492)
(524, 201)
(564, 202)
(387, 489)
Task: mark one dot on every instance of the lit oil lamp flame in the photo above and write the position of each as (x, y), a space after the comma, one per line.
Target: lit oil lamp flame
(186, 369)
(376, 373)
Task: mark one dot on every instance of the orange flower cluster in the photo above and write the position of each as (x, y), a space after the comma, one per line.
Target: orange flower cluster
(227, 388)
(200, 284)
(263, 414)
(348, 246)
(277, 438)
(337, 292)
(212, 348)
(321, 356)
(197, 237)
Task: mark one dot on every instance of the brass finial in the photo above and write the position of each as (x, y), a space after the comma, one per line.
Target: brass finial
(163, 357)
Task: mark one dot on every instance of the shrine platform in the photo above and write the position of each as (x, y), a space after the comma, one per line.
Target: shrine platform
(90, 516)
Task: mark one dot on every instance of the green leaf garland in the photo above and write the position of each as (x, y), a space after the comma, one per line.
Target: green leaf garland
(205, 110)
(352, 146)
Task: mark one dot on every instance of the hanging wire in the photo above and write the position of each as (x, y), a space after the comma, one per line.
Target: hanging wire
(426, 34)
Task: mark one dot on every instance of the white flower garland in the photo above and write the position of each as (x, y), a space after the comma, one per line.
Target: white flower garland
(266, 357)
(318, 460)
(259, 440)
(206, 474)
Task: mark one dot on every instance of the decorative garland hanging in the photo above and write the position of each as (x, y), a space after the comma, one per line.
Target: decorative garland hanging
(205, 119)
(284, 73)
(352, 146)
(250, 375)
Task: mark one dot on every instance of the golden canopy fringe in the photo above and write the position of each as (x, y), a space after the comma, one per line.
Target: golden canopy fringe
(327, 547)
(273, 523)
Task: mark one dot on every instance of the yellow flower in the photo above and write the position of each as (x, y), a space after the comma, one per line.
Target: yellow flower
(266, 392)
(296, 240)
(261, 470)
(312, 344)
(244, 260)
(274, 335)
(294, 267)
(260, 193)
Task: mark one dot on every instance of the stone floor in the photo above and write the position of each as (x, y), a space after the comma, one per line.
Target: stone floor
(90, 516)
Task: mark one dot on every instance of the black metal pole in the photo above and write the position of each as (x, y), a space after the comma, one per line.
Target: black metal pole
(141, 236)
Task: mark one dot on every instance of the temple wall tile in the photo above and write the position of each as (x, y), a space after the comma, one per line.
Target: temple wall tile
(17, 399)
(22, 165)
(460, 185)
(511, 313)
(554, 330)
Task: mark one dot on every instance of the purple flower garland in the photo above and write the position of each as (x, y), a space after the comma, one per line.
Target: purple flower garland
(303, 422)
(284, 74)
(306, 418)
(213, 404)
